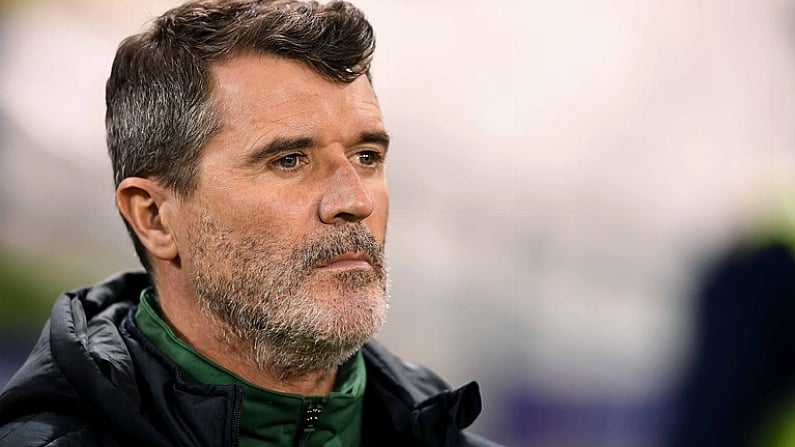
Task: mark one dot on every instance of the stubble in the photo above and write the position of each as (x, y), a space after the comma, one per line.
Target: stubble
(273, 304)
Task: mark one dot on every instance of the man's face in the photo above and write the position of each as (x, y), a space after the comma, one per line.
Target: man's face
(283, 237)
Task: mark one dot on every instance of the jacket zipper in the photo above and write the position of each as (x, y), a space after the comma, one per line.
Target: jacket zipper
(237, 417)
(312, 412)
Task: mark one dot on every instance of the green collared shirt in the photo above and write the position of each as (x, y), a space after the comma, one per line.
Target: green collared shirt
(270, 418)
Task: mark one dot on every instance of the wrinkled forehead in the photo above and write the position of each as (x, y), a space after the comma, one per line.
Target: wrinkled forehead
(258, 81)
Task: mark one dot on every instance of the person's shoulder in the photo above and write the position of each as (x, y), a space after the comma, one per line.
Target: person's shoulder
(415, 384)
(51, 430)
(418, 380)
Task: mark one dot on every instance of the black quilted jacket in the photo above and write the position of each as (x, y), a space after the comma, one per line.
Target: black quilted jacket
(94, 380)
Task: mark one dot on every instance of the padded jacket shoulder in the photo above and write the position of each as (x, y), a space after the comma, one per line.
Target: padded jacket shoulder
(52, 430)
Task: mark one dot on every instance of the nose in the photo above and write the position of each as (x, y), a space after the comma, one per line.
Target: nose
(346, 198)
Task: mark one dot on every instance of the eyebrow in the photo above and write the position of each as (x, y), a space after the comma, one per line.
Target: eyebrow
(378, 137)
(279, 146)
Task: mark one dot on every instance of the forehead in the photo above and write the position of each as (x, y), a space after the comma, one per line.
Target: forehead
(263, 90)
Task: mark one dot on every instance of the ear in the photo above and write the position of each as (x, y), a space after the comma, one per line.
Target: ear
(145, 205)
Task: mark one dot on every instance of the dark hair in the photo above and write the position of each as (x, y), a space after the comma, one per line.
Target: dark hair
(160, 111)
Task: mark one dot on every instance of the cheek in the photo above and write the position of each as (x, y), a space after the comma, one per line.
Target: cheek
(255, 210)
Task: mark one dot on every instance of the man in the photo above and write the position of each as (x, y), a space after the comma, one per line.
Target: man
(248, 150)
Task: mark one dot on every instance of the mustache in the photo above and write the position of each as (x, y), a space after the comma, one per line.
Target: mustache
(346, 238)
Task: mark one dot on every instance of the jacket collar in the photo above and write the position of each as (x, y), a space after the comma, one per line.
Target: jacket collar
(413, 404)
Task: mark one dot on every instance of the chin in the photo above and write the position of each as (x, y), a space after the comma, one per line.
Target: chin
(361, 311)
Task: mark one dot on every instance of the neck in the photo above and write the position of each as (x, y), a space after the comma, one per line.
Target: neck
(208, 336)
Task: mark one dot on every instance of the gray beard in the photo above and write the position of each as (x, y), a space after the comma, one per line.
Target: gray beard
(266, 299)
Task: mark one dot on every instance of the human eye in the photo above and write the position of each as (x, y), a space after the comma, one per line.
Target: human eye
(369, 158)
(289, 161)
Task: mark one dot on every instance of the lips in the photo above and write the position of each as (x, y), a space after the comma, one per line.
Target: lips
(347, 247)
(346, 261)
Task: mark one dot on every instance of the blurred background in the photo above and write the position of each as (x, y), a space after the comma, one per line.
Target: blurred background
(562, 176)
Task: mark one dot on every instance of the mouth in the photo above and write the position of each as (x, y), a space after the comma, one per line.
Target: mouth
(345, 261)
